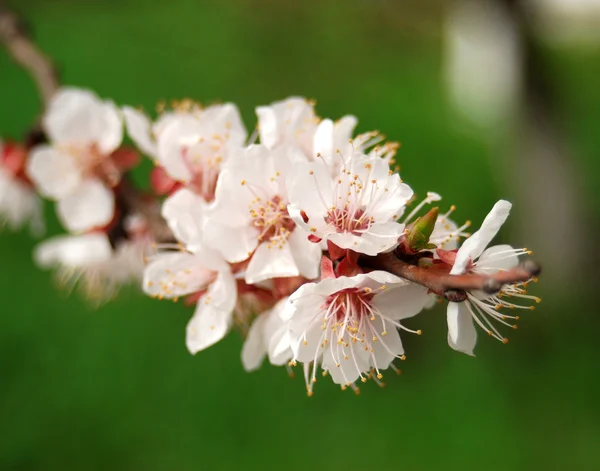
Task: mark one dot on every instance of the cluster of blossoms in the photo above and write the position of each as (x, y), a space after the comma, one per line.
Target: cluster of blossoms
(296, 235)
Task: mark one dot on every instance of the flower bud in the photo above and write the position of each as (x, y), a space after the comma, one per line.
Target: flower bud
(420, 231)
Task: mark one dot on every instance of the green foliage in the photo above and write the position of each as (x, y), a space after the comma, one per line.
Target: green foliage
(116, 389)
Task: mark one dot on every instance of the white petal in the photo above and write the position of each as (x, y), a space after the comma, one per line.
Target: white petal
(498, 257)
(323, 140)
(181, 133)
(400, 302)
(73, 251)
(476, 244)
(185, 213)
(91, 205)
(271, 262)
(388, 347)
(176, 274)
(227, 119)
(310, 189)
(235, 243)
(110, 133)
(379, 238)
(139, 129)
(461, 330)
(54, 173)
(79, 117)
(254, 349)
(213, 315)
(307, 254)
(343, 129)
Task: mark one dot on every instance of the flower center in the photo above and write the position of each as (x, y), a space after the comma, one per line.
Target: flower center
(348, 219)
(272, 219)
(204, 160)
(95, 164)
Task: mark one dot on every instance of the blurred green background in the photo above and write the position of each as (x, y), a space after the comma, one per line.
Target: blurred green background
(115, 388)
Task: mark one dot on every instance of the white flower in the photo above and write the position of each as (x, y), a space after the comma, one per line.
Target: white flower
(356, 209)
(480, 307)
(175, 274)
(290, 122)
(268, 335)
(197, 269)
(250, 219)
(76, 168)
(351, 323)
(90, 262)
(191, 145)
(19, 203)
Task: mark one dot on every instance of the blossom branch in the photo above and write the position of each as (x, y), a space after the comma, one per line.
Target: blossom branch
(131, 200)
(453, 287)
(27, 54)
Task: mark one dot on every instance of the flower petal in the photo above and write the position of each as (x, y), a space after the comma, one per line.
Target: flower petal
(78, 117)
(185, 213)
(54, 173)
(496, 258)
(401, 301)
(271, 262)
(307, 254)
(73, 251)
(254, 350)
(181, 133)
(472, 248)
(461, 330)
(139, 129)
(91, 205)
(213, 315)
(171, 275)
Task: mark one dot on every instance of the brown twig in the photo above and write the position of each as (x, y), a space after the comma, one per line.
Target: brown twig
(452, 287)
(27, 55)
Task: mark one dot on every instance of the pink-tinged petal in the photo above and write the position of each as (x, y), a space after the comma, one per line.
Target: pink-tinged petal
(271, 262)
(307, 255)
(172, 275)
(476, 244)
(161, 182)
(73, 251)
(461, 330)
(139, 129)
(401, 301)
(91, 205)
(213, 315)
(54, 173)
(254, 348)
(496, 258)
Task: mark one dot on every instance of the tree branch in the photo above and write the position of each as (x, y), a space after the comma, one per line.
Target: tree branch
(27, 55)
(452, 287)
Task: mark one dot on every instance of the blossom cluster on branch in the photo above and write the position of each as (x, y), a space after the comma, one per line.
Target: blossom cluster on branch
(300, 235)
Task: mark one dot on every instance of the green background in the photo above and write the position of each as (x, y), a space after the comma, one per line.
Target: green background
(115, 388)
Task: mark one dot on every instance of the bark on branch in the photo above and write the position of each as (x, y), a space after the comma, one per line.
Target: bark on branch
(25, 53)
(452, 287)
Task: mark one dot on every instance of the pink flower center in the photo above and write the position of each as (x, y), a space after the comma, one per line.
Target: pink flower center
(203, 161)
(348, 220)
